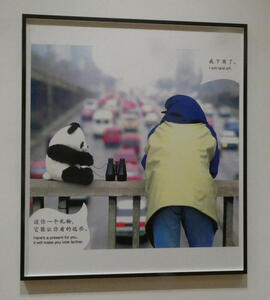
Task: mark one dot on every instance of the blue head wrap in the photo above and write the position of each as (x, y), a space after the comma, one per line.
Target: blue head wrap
(185, 110)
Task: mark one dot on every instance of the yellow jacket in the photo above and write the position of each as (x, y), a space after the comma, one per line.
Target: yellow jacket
(177, 168)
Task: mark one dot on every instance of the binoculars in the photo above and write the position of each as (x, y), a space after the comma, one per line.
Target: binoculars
(116, 170)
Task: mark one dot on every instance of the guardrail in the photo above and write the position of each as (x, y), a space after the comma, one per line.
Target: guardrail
(228, 189)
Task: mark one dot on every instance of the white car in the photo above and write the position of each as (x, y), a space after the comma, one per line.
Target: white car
(224, 111)
(90, 103)
(229, 140)
(151, 119)
(147, 109)
(112, 105)
(102, 119)
(208, 109)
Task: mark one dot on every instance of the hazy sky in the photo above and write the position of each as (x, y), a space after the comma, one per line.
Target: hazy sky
(139, 67)
(138, 57)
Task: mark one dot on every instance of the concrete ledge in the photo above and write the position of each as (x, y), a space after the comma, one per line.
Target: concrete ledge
(39, 187)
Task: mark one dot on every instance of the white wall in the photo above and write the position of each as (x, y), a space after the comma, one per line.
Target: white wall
(253, 286)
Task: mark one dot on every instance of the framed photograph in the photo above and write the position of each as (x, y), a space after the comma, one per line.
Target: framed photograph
(104, 101)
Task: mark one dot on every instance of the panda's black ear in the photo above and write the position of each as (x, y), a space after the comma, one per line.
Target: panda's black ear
(73, 127)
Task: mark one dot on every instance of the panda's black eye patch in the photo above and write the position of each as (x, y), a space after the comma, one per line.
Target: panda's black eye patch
(82, 143)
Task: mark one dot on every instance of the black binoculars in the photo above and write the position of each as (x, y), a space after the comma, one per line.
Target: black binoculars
(116, 170)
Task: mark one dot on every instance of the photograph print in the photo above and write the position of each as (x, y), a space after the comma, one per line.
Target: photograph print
(134, 147)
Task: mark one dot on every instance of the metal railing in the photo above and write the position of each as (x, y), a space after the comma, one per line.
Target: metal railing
(228, 189)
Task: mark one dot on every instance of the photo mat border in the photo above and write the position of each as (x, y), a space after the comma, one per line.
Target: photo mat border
(52, 18)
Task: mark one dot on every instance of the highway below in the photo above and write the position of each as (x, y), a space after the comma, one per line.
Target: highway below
(98, 206)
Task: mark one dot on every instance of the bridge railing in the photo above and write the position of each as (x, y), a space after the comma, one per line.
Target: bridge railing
(227, 189)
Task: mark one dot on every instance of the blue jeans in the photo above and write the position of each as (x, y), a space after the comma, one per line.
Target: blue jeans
(166, 227)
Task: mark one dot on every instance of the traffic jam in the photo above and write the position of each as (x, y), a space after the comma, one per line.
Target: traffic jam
(117, 126)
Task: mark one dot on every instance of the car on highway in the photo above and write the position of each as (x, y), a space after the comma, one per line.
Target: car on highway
(132, 111)
(151, 119)
(141, 103)
(224, 111)
(112, 105)
(37, 169)
(130, 121)
(229, 140)
(208, 109)
(129, 155)
(128, 105)
(124, 219)
(102, 119)
(131, 141)
(102, 102)
(147, 108)
(233, 125)
(133, 172)
(88, 111)
(112, 136)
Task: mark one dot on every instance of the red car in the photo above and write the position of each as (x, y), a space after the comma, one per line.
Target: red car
(109, 96)
(86, 114)
(102, 101)
(141, 103)
(37, 169)
(131, 140)
(112, 136)
(128, 105)
(133, 172)
(128, 154)
(88, 111)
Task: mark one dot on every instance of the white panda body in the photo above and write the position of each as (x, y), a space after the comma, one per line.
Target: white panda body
(54, 169)
(67, 158)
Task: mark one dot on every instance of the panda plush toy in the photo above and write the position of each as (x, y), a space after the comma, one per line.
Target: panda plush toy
(67, 157)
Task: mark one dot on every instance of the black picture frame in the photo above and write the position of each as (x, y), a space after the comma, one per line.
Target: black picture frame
(52, 21)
